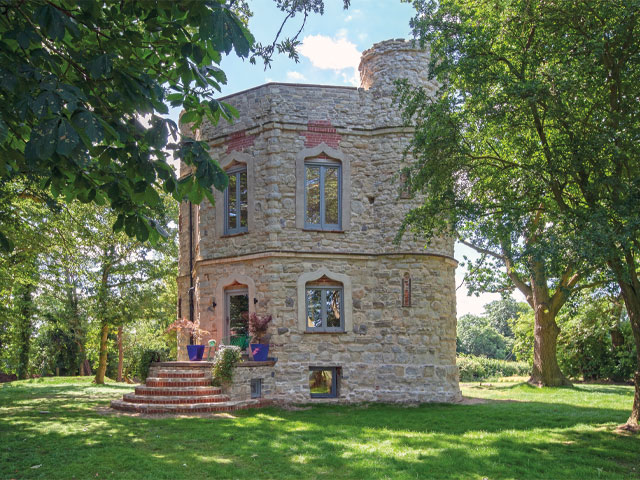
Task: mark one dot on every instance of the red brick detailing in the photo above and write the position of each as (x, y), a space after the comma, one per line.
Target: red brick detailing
(321, 131)
(186, 383)
(239, 141)
(174, 392)
(181, 375)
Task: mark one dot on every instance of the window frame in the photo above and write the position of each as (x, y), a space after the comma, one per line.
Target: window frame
(237, 172)
(323, 308)
(334, 383)
(323, 164)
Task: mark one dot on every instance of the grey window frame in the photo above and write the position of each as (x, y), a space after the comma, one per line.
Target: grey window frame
(323, 163)
(228, 230)
(323, 308)
(256, 388)
(334, 383)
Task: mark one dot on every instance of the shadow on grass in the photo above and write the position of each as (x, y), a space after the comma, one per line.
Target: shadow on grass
(493, 440)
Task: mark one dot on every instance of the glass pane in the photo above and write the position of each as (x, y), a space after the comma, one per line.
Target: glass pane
(239, 314)
(320, 382)
(334, 301)
(231, 202)
(331, 201)
(243, 199)
(313, 195)
(314, 308)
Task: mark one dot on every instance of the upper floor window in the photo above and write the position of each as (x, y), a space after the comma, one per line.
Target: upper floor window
(323, 192)
(324, 306)
(236, 206)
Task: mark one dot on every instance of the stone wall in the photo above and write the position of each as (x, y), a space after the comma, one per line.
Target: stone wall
(389, 352)
(240, 387)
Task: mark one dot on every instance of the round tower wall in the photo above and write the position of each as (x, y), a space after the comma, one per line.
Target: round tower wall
(391, 60)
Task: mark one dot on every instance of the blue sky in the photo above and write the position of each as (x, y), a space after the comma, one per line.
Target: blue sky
(329, 54)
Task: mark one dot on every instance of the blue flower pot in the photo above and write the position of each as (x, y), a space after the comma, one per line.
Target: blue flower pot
(195, 352)
(260, 351)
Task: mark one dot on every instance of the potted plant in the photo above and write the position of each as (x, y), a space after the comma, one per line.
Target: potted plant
(258, 326)
(196, 351)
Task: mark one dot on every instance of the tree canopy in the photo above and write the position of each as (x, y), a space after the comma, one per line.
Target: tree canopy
(537, 117)
(85, 87)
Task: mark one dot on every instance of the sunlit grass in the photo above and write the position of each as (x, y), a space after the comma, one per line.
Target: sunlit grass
(63, 428)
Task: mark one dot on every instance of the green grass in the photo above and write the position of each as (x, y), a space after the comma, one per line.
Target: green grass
(520, 432)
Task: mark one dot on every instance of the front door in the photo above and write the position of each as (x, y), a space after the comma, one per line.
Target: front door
(236, 312)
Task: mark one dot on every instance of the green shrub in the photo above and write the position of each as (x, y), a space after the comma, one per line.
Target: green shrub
(473, 369)
(223, 364)
(146, 358)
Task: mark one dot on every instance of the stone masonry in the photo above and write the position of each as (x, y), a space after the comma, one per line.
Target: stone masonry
(390, 350)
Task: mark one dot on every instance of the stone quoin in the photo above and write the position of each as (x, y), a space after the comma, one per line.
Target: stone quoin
(305, 232)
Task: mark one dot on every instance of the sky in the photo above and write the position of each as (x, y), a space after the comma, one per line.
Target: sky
(330, 54)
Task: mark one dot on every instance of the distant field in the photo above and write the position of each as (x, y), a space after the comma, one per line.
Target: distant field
(62, 428)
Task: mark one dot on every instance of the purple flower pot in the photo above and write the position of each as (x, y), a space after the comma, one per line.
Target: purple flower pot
(260, 351)
(195, 352)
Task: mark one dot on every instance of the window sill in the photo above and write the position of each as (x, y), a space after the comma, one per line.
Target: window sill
(321, 231)
(230, 235)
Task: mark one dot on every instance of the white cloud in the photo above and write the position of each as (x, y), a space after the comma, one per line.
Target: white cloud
(330, 53)
(337, 54)
(296, 76)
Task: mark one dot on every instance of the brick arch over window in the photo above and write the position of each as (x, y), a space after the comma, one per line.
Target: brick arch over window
(345, 200)
(222, 285)
(235, 159)
(310, 277)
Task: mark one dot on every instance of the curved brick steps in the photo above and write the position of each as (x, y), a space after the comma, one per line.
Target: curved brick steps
(179, 387)
(178, 382)
(175, 373)
(179, 391)
(150, 408)
(179, 399)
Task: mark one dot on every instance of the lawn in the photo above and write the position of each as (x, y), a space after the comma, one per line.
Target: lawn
(62, 428)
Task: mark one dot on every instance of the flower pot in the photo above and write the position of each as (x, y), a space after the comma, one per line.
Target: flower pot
(195, 352)
(260, 351)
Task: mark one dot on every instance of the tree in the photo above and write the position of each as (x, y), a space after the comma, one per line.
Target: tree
(502, 312)
(477, 337)
(546, 95)
(507, 220)
(76, 77)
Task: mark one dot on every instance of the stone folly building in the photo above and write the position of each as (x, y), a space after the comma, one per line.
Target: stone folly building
(305, 232)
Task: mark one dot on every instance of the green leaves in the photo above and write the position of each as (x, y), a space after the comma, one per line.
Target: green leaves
(43, 142)
(67, 138)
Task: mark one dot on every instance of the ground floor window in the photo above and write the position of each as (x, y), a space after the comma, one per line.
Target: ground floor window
(256, 388)
(323, 382)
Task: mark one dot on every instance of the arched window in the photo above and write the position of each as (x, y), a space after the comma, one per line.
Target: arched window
(324, 302)
(323, 189)
(236, 201)
(235, 207)
(324, 305)
(322, 194)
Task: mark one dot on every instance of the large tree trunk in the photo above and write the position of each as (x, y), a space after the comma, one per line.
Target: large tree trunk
(546, 371)
(104, 331)
(102, 364)
(25, 327)
(120, 354)
(630, 287)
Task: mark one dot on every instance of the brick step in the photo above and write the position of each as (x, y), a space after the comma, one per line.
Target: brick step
(189, 400)
(185, 365)
(177, 382)
(177, 391)
(175, 373)
(150, 408)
